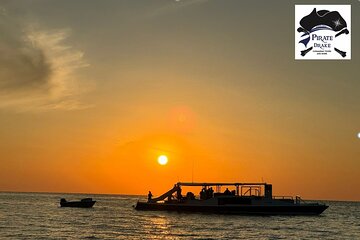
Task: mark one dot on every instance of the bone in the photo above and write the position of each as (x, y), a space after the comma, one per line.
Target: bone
(300, 29)
(342, 32)
(343, 54)
(304, 52)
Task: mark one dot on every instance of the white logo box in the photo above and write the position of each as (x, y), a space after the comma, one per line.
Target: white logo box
(320, 47)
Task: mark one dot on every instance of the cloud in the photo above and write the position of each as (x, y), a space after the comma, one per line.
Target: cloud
(38, 70)
(171, 6)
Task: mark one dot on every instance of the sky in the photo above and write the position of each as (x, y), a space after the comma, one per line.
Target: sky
(92, 92)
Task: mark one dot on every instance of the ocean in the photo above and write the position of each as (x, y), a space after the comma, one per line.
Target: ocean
(38, 216)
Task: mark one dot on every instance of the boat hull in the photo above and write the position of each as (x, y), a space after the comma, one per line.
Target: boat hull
(311, 209)
(79, 204)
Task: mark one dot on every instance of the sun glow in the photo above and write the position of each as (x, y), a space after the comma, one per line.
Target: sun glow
(162, 160)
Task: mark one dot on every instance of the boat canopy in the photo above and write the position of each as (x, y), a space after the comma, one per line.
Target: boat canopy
(242, 189)
(219, 184)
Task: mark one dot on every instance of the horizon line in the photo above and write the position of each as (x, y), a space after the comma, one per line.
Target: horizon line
(144, 195)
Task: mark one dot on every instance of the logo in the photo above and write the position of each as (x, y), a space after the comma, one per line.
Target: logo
(322, 32)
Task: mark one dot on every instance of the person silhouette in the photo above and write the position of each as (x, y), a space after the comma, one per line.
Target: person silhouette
(211, 192)
(149, 196)
(178, 193)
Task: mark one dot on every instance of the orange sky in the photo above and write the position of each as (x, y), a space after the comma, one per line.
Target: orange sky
(122, 83)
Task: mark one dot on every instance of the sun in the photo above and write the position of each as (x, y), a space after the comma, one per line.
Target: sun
(162, 160)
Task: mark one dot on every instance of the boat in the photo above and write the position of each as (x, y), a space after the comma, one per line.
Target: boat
(83, 203)
(244, 198)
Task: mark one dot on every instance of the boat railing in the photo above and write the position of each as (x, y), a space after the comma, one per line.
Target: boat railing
(299, 200)
(283, 197)
(250, 191)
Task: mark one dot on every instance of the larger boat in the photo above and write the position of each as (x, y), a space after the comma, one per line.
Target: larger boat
(242, 198)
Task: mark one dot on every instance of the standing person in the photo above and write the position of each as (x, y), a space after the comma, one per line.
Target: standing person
(149, 196)
(203, 194)
(211, 191)
(178, 193)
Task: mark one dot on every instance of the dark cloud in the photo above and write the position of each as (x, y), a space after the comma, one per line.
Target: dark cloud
(37, 68)
(23, 65)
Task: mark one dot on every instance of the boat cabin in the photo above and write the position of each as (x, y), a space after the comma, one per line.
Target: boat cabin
(215, 190)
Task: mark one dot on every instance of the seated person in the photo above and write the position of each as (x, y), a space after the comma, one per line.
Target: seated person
(190, 196)
(227, 192)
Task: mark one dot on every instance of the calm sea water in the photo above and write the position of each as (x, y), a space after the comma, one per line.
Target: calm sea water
(38, 216)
